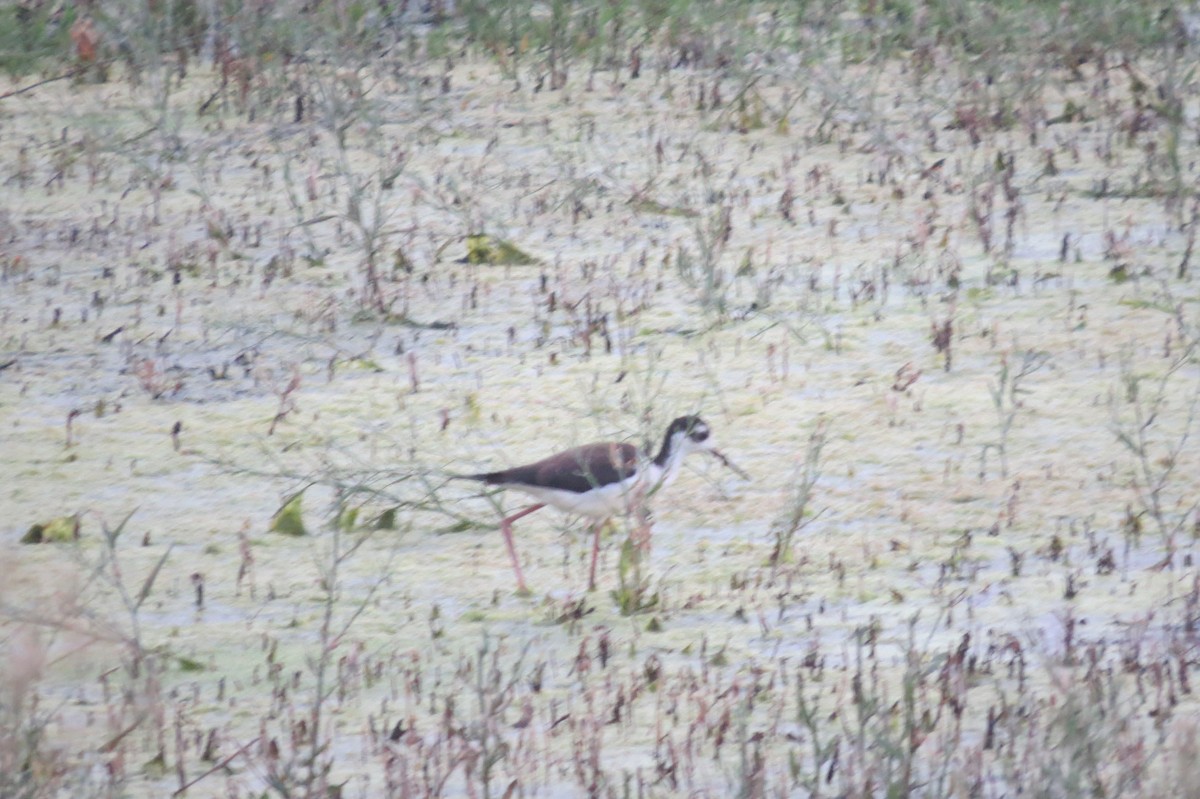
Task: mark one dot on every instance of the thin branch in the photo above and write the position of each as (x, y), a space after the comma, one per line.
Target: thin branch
(70, 74)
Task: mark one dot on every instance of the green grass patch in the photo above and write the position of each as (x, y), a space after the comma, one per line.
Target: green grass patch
(30, 37)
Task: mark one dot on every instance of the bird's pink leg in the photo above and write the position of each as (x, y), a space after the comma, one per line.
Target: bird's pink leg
(596, 528)
(506, 529)
(643, 533)
(641, 513)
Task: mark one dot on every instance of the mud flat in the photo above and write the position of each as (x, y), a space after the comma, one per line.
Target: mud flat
(949, 327)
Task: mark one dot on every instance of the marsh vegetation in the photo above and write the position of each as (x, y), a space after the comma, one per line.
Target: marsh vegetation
(271, 272)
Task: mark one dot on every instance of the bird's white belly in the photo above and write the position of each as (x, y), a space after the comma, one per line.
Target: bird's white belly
(598, 503)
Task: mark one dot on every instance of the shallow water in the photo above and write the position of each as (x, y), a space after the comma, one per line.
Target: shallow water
(386, 410)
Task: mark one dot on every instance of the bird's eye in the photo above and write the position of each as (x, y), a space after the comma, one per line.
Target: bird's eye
(700, 434)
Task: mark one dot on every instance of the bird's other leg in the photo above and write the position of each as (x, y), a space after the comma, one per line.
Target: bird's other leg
(506, 529)
(596, 528)
(641, 532)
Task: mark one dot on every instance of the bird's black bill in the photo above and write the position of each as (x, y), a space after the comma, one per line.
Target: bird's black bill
(730, 464)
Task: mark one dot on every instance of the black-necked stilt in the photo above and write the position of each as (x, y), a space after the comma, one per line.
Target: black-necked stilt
(601, 480)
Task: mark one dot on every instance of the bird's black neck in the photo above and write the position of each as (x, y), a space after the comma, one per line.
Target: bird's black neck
(664, 452)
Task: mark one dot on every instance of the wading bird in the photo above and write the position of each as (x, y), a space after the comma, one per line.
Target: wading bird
(601, 480)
